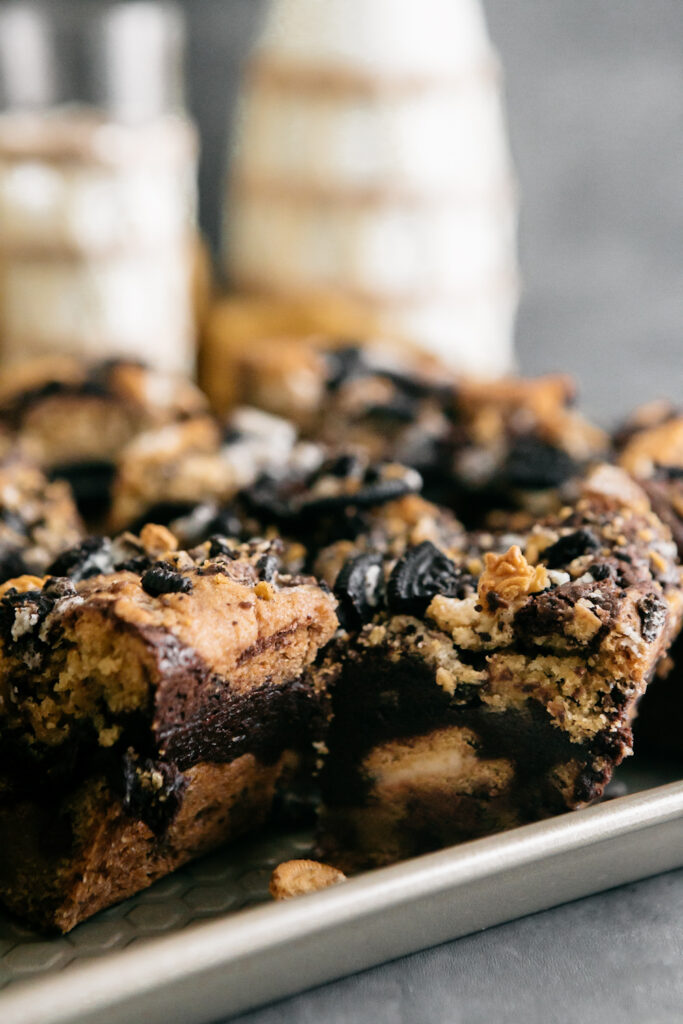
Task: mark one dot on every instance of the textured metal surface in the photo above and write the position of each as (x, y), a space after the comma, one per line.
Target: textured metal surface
(222, 883)
(194, 974)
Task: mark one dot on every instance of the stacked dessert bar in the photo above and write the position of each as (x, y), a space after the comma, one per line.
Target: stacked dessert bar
(287, 597)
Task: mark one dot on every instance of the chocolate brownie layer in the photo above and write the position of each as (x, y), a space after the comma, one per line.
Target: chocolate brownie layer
(131, 678)
(487, 690)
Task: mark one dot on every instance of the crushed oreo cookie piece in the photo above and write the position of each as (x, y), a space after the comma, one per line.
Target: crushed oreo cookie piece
(532, 464)
(152, 791)
(653, 616)
(219, 545)
(58, 587)
(267, 567)
(336, 488)
(163, 579)
(90, 558)
(359, 588)
(419, 575)
(602, 571)
(572, 546)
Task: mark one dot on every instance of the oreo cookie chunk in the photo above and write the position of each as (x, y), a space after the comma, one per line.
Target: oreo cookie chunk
(336, 500)
(155, 712)
(73, 418)
(518, 444)
(496, 686)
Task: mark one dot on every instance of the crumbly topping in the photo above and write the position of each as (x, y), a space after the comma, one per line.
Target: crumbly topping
(509, 578)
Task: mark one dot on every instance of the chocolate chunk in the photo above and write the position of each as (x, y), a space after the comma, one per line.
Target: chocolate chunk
(653, 615)
(90, 558)
(421, 574)
(359, 589)
(163, 579)
(536, 465)
(566, 549)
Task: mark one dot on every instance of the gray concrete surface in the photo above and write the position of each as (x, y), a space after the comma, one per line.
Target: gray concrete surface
(613, 957)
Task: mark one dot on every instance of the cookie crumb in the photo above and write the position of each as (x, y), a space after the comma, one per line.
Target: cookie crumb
(299, 877)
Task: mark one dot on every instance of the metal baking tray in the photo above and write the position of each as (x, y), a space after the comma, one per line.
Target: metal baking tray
(198, 948)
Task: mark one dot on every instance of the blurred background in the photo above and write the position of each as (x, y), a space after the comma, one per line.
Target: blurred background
(595, 109)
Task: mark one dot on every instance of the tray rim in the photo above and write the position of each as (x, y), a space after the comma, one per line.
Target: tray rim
(161, 980)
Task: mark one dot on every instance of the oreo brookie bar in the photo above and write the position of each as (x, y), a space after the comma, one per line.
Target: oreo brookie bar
(151, 706)
(488, 690)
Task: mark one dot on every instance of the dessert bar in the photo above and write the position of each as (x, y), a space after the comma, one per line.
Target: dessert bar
(651, 449)
(72, 418)
(481, 691)
(148, 714)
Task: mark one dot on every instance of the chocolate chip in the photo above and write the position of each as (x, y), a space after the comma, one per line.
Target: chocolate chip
(653, 615)
(566, 549)
(536, 465)
(359, 589)
(90, 558)
(163, 579)
(421, 574)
